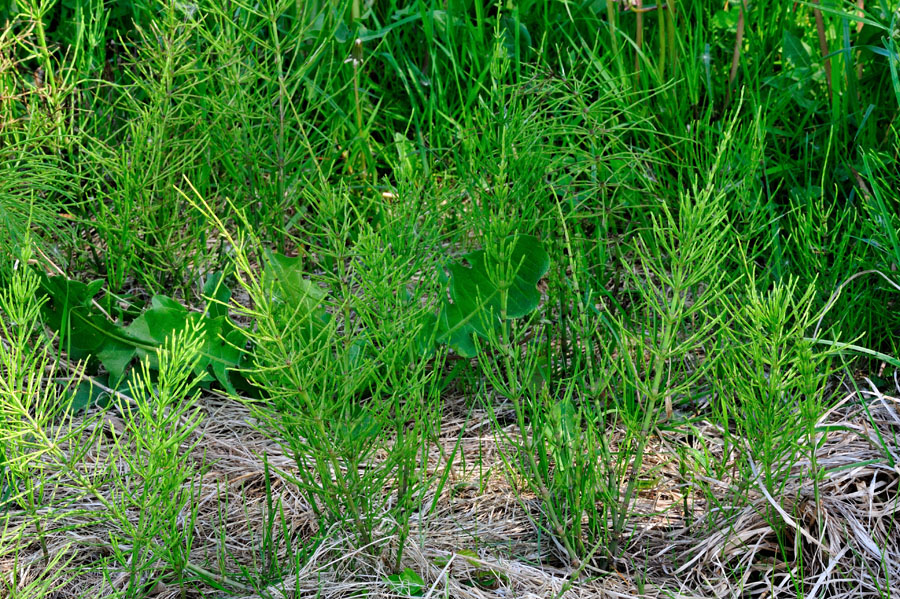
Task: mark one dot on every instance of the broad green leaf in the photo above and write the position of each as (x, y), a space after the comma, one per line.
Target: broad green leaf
(218, 294)
(407, 583)
(795, 51)
(725, 19)
(68, 311)
(164, 317)
(470, 556)
(285, 276)
(115, 357)
(476, 306)
(455, 331)
(223, 350)
(283, 279)
(84, 395)
(86, 332)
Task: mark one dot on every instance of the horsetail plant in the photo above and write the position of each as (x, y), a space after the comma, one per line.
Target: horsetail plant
(32, 412)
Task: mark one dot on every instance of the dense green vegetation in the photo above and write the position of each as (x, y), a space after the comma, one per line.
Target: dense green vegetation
(634, 246)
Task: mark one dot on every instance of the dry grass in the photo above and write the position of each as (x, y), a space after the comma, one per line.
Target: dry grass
(849, 544)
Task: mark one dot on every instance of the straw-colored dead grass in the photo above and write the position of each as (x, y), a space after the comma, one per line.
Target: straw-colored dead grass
(848, 544)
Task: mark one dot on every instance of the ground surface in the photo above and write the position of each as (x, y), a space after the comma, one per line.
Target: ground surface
(480, 541)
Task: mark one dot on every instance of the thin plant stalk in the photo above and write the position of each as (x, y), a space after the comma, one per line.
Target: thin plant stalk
(823, 45)
(738, 47)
